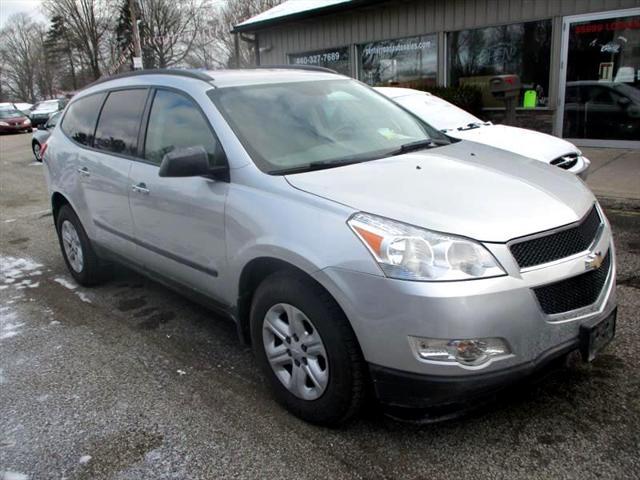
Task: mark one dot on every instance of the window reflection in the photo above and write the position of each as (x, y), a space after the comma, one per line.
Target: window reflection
(602, 96)
(523, 49)
(407, 62)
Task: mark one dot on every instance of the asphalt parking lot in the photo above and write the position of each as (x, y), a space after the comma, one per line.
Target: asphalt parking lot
(130, 381)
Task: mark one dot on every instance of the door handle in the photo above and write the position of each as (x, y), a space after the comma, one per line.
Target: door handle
(84, 171)
(140, 188)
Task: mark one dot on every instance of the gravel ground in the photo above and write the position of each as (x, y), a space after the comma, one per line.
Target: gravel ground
(130, 381)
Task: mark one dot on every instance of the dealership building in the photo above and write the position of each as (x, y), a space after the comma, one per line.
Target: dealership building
(578, 60)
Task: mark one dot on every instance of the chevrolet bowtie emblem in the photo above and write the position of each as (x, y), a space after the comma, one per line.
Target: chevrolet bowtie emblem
(593, 261)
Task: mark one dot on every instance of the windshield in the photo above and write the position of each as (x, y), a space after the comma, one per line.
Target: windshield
(47, 105)
(436, 111)
(291, 126)
(10, 113)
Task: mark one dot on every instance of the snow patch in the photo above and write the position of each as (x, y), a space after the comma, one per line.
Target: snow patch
(10, 220)
(84, 297)
(10, 475)
(84, 459)
(19, 272)
(181, 372)
(65, 283)
(9, 323)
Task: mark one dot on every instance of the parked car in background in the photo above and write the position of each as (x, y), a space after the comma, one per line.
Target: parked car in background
(595, 109)
(459, 123)
(358, 248)
(42, 110)
(42, 133)
(12, 121)
(22, 107)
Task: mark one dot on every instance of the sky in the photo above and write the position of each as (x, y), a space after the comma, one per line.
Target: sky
(9, 7)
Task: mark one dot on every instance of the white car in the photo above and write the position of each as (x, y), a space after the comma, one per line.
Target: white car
(459, 123)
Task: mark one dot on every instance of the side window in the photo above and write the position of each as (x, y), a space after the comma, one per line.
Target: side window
(119, 121)
(174, 122)
(53, 120)
(79, 122)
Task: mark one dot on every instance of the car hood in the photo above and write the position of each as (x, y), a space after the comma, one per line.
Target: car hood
(465, 188)
(529, 143)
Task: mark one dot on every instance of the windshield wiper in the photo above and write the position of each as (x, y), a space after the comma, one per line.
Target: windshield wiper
(319, 165)
(471, 126)
(413, 146)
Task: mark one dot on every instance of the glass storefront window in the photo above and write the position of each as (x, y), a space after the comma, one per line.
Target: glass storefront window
(337, 59)
(406, 62)
(602, 93)
(522, 49)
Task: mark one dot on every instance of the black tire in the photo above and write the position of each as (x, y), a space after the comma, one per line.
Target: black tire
(91, 272)
(345, 391)
(33, 149)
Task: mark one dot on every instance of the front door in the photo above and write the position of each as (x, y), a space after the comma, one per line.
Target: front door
(179, 222)
(600, 75)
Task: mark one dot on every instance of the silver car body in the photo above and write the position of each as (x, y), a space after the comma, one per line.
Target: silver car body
(455, 122)
(203, 234)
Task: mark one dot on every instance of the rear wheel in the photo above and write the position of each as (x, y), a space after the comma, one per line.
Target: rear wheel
(81, 259)
(36, 151)
(306, 348)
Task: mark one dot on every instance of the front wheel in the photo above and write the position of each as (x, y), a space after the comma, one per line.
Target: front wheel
(307, 350)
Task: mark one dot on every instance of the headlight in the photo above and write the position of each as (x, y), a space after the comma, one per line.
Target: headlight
(4, 124)
(27, 122)
(409, 253)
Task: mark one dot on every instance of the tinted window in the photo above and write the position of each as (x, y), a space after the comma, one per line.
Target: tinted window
(80, 120)
(176, 122)
(407, 62)
(523, 49)
(119, 121)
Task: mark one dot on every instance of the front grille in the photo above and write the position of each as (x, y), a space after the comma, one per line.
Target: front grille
(559, 244)
(575, 292)
(566, 161)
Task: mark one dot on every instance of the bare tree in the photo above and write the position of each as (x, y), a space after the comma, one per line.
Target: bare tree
(89, 21)
(169, 28)
(21, 51)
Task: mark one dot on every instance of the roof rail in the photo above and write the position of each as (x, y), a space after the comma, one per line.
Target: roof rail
(157, 71)
(313, 68)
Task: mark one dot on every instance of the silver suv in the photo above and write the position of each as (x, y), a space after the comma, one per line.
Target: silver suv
(354, 245)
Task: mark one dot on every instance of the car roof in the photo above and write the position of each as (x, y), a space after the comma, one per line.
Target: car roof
(213, 78)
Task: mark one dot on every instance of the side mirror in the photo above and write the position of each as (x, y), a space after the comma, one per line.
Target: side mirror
(190, 162)
(624, 102)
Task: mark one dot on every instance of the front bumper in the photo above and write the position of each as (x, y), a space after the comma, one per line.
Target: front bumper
(384, 313)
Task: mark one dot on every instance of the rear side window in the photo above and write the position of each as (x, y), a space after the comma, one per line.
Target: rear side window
(119, 122)
(79, 122)
(175, 122)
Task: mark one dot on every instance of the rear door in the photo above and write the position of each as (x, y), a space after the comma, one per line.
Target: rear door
(179, 222)
(104, 169)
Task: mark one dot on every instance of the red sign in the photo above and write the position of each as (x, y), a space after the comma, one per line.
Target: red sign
(614, 26)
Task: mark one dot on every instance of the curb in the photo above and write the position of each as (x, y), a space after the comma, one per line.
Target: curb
(617, 203)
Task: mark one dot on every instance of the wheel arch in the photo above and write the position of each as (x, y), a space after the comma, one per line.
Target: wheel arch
(58, 200)
(252, 275)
